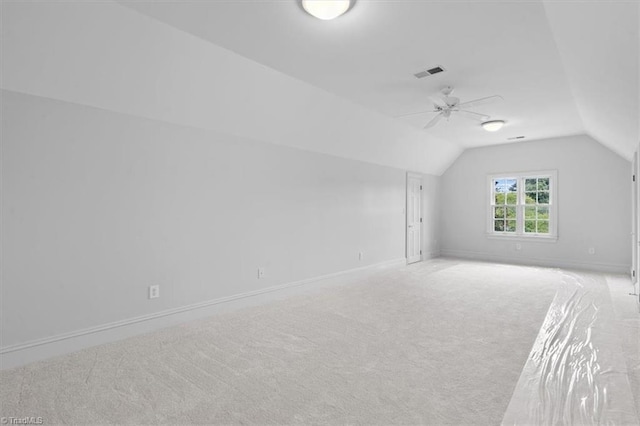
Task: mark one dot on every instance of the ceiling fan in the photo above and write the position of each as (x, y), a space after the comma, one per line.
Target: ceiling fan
(448, 105)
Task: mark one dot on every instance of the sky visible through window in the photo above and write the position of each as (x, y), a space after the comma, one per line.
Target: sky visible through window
(506, 185)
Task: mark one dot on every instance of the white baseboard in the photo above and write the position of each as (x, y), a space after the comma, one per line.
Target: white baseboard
(537, 261)
(430, 255)
(39, 349)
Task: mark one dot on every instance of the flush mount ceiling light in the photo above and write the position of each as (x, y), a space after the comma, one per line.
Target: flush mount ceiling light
(493, 125)
(326, 9)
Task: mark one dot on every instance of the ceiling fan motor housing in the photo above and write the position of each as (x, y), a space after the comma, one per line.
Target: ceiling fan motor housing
(451, 101)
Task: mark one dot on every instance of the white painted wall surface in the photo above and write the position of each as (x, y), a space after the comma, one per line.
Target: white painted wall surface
(97, 206)
(594, 206)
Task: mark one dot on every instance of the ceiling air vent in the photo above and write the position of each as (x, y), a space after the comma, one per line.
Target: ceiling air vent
(515, 138)
(430, 71)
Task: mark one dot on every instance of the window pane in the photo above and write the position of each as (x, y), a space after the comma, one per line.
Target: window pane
(529, 226)
(498, 212)
(512, 198)
(543, 198)
(512, 185)
(511, 226)
(500, 198)
(530, 212)
(511, 213)
(543, 213)
(530, 185)
(543, 184)
(530, 198)
(498, 225)
(543, 227)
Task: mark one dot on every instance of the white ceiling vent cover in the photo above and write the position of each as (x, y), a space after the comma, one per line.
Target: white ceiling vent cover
(431, 71)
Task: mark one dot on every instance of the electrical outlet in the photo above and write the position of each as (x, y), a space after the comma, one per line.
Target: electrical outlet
(360, 256)
(518, 246)
(154, 291)
(592, 250)
(260, 272)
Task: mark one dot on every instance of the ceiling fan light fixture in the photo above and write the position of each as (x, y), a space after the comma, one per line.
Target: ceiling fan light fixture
(326, 9)
(493, 125)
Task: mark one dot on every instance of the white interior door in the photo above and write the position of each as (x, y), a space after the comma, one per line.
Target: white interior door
(414, 218)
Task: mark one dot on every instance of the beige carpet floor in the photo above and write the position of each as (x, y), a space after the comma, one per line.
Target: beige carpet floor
(439, 342)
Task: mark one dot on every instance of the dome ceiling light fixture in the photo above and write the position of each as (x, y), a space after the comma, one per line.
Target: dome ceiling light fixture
(326, 9)
(493, 125)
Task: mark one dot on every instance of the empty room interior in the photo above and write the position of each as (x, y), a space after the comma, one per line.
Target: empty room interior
(320, 212)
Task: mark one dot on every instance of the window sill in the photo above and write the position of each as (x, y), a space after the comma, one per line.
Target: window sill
(520, 237)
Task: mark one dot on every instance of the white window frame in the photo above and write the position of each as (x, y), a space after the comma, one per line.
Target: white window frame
(552, 236)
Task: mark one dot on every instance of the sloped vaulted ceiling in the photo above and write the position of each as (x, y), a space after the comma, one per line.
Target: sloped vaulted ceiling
(600, 53)
(104, 55)
(268, 71)
(562, 67)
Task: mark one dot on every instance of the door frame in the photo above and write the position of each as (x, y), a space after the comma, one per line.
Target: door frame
(635, 217)
(406, 217)
(635, 240)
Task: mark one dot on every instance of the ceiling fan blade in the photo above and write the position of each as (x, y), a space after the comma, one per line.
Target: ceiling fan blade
(481, 101)
(473, 115)
(433, 121)
(415, 113)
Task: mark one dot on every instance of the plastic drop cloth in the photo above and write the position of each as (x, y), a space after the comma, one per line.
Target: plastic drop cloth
(575, 373)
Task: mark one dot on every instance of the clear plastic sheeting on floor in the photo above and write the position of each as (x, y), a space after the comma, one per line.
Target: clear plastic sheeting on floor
(576, 372)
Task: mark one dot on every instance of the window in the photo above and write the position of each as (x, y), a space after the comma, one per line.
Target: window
(523, 205)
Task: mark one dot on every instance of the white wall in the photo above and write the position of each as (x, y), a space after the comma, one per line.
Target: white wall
(137, 154)
(593, 204)
(98, 205)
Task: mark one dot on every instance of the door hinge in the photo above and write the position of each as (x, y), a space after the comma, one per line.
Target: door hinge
(420, 187)
(420, 251)
(633, 273)
(420, 220)
(632, 178)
